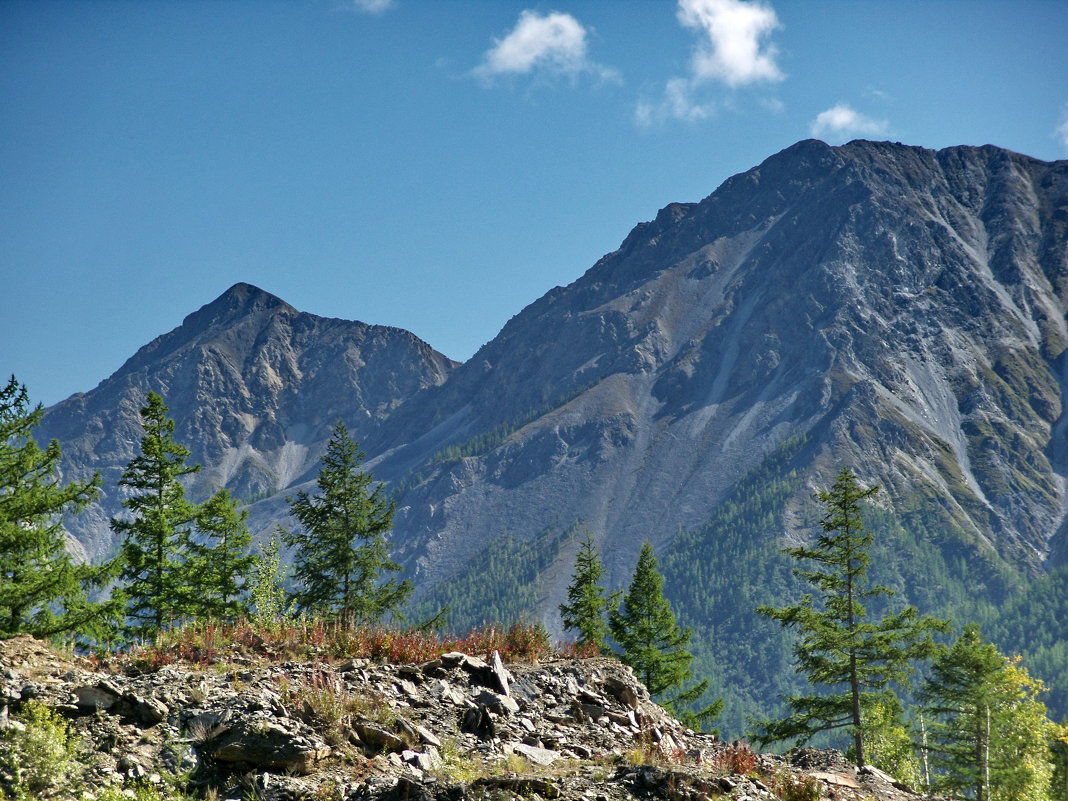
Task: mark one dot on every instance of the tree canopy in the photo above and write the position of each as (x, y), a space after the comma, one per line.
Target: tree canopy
(586, 604)
(157, 527)
(43, 592)
(838, 649)
(989, 737)
(341, 561)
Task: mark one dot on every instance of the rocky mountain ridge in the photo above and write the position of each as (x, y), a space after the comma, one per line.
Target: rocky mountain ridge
(458, 726)
(254, 387)
(894, 309)
(902, 309)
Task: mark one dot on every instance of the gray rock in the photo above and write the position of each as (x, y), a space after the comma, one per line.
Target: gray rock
(96, 697)
(495, 702)
(500, 676)
(378, 737)
(537, 756)
(151, 711)
(268, 745)
(428, 736)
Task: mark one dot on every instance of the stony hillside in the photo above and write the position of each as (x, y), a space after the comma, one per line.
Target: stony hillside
(900, 309)
(457, 726)
(253, 386)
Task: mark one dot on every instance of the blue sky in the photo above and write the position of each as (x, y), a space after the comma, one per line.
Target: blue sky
(435, 164)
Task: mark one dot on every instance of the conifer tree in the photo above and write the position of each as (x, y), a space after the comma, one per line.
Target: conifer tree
(990, 737)
(837, 648)
(653, 643)
(155, 582)
(342, 552)
(42, 591)
(217, 558)
(585, 610)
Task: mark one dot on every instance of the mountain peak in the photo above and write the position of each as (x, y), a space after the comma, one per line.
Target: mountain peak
(239, 300)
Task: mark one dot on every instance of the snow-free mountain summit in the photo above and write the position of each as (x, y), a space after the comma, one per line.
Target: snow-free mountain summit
(893, 309)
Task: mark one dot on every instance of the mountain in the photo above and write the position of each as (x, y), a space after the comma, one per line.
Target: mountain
(897, 310)
(893, 309)
(900, 309)
(254, 387)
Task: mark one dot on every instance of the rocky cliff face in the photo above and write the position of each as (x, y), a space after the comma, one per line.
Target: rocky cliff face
(254, 387)
(900, 309)
(456, 727)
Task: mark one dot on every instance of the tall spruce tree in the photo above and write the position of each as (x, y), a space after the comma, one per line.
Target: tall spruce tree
(153, 574)
(837, 649)
(217, 558)
(42, 591)
(990, 738)
(653, 643)
(342, 554)
(585, 610)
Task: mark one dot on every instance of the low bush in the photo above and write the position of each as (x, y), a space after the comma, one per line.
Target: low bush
(40, 758)
(212, 642)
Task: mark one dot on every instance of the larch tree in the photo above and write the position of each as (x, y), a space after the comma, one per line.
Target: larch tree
(586, 604)
(341, 559)
(989, 738)
(154, 578)
(218, 558)
(838, 648)
(43, 592)
(653, 643)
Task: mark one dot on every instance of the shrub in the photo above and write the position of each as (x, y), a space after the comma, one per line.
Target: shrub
(789, 787)
(207, 643)
(737, 758)
(40, 758)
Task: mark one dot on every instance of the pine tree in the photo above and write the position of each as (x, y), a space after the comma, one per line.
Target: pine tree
(990, 738)
(217, 558)
(837, 648)
(341, 548)
(154, 578)
(42, 591)
(585, 610)
(653, 643)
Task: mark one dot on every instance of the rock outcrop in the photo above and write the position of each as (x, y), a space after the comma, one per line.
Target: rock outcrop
(459, 726)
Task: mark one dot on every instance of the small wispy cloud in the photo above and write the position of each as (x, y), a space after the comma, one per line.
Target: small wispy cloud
(841, 121)
(677, 102)
(733, 49)
(372, 6)
(1061, 131)
(553, 43)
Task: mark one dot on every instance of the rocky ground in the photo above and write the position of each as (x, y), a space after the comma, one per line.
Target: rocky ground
(456, 727)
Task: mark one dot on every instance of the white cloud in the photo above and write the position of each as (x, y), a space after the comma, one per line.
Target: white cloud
(553, 42)
(734, 50)
(372, 6)
(841, 121)
(678, 103)
(1061, 131)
